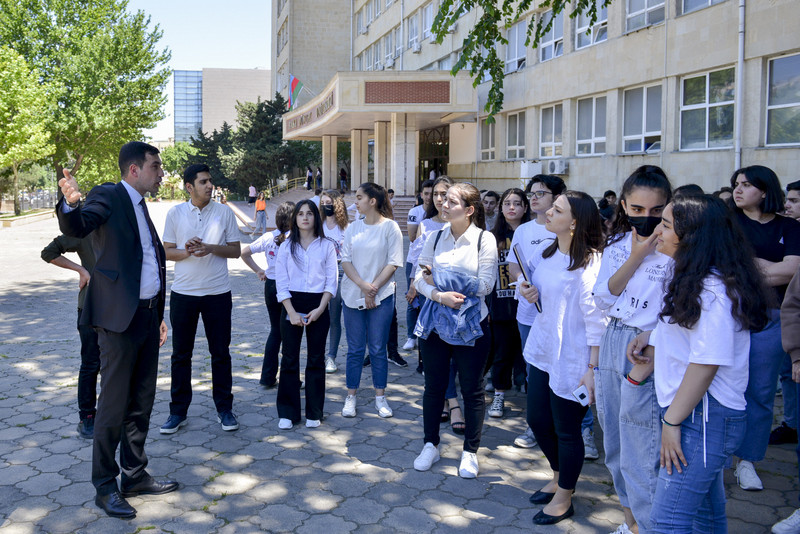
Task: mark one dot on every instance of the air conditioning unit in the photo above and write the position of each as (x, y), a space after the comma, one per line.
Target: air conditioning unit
(529, 169)
(389, 62)
(557, 166)
(416, 48)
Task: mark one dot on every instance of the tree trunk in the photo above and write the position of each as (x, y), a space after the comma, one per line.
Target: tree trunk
(17, 208)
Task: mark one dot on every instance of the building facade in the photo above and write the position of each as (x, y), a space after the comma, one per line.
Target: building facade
(188, 103)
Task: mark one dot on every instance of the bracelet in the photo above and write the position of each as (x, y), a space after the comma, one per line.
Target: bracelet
(664, 421)
(632, 381)
(593, 367)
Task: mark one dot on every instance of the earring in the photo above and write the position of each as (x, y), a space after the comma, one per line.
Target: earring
(572, 232)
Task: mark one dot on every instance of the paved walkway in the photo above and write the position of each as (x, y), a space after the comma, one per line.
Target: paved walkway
(347, 475)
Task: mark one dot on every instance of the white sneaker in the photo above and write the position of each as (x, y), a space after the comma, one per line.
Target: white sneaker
(383, 407)
(496, 409)
(790, 525)
(285, 424)
(526, 440)
(410, 344)
(747, 477)
(589, 448)
(623, 529)
(349, 409)
(428, 457)
(312, 423)
(330, 365)
(469, 465)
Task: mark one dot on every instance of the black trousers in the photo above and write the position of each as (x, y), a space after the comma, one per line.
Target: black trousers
(269, 369)
(556, 424)
(128, 369)
(436, 356)
(90, 366)
(507, 348)
(184, 312)
(288, 400)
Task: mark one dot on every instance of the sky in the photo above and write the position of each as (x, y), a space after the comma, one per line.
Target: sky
(209, 33)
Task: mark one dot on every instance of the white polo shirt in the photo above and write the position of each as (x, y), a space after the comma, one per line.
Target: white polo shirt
(215, 225)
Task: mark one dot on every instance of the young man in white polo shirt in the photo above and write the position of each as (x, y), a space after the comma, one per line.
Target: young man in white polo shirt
(199, 236)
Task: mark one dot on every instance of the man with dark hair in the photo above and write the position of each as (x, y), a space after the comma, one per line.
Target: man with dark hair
(199, 236)
(315, 198)
(125, 304)
(792, 205)
(490, 202)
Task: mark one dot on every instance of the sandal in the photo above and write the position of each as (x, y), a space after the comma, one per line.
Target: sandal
(458, 427)
(445, 415)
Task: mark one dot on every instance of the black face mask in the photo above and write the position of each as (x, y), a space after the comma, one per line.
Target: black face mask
(327, 209)
(644, 225)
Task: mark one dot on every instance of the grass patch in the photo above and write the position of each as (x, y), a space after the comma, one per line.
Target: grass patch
(213, 477)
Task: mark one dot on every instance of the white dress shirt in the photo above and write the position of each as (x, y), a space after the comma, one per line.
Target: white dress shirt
(151, 281)
(311, 270)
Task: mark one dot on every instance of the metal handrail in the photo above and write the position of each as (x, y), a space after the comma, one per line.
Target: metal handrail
(292, 183)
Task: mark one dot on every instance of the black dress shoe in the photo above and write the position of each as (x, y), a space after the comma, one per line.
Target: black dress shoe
(541, 497)
(150, 487)
(115, 505)
(544, 519)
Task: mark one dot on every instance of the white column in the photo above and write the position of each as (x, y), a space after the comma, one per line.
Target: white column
(381, 154)
(403, 154)
(330, 164)
(359, 157)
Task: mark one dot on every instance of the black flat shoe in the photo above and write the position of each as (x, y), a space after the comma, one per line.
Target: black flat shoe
(544, 519)
(150, 487)
(115, 505)
(541, 497)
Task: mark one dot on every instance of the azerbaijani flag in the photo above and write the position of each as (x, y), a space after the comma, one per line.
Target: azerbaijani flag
(295, 86)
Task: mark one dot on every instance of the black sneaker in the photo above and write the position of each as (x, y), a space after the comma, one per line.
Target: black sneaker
(398, 360)
(783, 434)
(228, 420)
(86, 427)
(174, 422)
(367, 363)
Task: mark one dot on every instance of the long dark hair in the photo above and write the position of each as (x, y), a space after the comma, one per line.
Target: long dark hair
(501, 227)
(470, 196)
(649, 176)
(378, 192)
(712, 243)
(766, 181)
(432, 212)
(283, 220)
(588, 234)
(294, 236)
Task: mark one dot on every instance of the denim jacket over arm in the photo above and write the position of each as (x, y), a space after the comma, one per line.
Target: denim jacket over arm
(456, 327)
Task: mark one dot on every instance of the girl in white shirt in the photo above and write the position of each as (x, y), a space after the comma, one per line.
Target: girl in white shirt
(306, 280)
(269, 244)
(563, 340)
(373, 250)
(701, 351)
(630, 287)
(335, 222)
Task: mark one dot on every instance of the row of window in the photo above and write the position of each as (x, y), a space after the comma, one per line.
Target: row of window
(283, 37)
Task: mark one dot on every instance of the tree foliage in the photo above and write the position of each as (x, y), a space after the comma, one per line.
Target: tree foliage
(174, 159)
(208, 149)
(479, 53)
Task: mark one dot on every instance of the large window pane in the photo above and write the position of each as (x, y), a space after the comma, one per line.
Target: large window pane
(783, 126)
(694, 91)
(693, 129)
(653, 123)
(720, 126)
(634, 103)
(547, 125)
(721, 86)
(600, 117)
(585, 119)
(784, 81)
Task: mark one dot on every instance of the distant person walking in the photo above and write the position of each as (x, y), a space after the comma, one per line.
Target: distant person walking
(251, 199)
(261, 215)
(309, 178)
(319, 178)
(343, 181)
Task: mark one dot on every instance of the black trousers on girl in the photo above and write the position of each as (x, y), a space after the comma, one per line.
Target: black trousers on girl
(288, 400)
(556, 424)
(269, 369)
(436, 356)
(507, 347)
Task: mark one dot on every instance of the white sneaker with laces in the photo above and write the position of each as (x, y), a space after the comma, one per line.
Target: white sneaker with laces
(623, 529)
(526, 440)
(790, 525)
(284, 424)
(469, 465)
(426, 458)
(496, 409)
(330, 365)
(349, 409)
(383, 407)
(312, 423)
(589, 447)
(410, 344)
(747, 477)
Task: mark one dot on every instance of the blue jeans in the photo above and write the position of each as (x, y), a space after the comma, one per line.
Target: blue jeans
(335, 310)
(766, 356)
(261, 221)
(789, 389)
(367, 329)
(694, 501)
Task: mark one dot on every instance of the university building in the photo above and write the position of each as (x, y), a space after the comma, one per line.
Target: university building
(673, 83)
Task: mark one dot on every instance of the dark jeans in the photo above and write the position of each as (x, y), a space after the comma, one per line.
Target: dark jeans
(436, 356)
(90, 366)
(184, 311)
(507, 347)
(269, 369)
(128, 369)
(288, 400)
(556, 424)
(391, 343)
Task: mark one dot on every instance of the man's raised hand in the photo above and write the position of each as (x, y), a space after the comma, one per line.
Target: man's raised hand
(69, 188)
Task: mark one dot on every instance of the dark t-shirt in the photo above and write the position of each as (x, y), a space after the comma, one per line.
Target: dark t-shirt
(773, 240)
(501, 301)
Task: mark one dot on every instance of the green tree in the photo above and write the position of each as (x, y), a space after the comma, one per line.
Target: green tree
(479, 52)
(104, 70)
(208, 149)
(175, 158)
(23, 102)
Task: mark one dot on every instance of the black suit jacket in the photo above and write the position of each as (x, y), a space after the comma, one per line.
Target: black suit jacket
(113, 293)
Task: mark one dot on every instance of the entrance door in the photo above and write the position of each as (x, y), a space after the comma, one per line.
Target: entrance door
(434, 152)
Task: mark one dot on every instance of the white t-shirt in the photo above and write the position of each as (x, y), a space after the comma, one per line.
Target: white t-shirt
(315, 200)
(570, 322)
(370, 248)
(716, 339)
(416, 214)
(266, 244)
(640, 302)
(528, 236)
(490, 220)
(215, 225)
(336, 234)
(415, 248)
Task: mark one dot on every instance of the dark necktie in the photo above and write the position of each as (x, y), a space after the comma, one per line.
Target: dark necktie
(154, 239)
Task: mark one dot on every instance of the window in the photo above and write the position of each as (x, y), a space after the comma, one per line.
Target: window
(515, 130)
(515, 49)
(413, 30)
(783, 101)
(642, 118)
(376, 55)
(427, 20)
(281, 3)
(591, 138)
(368, 13)
(586, 34)
(487, 141)
(398, 42)
(707, 110)
(389, 2)
(283, 36)
(388, 48)
(643, 13)
(445, 63)
(358, 66)
(550, 140)
(694, 5)
(552, 44)
(360, 22)
(377, 7)
(368, 58)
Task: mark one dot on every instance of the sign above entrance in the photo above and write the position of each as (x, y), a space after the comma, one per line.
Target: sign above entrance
(314, 114)
(433, 92)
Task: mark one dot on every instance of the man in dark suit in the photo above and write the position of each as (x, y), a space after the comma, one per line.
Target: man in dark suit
(125, 304)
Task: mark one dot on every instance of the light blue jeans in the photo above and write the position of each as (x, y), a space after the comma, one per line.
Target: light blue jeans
(261, 221)
(335, 310)
(363, 329)
(694, 501)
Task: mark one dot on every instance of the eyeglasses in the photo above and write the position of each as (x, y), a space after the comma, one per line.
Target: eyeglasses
(540, 193)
